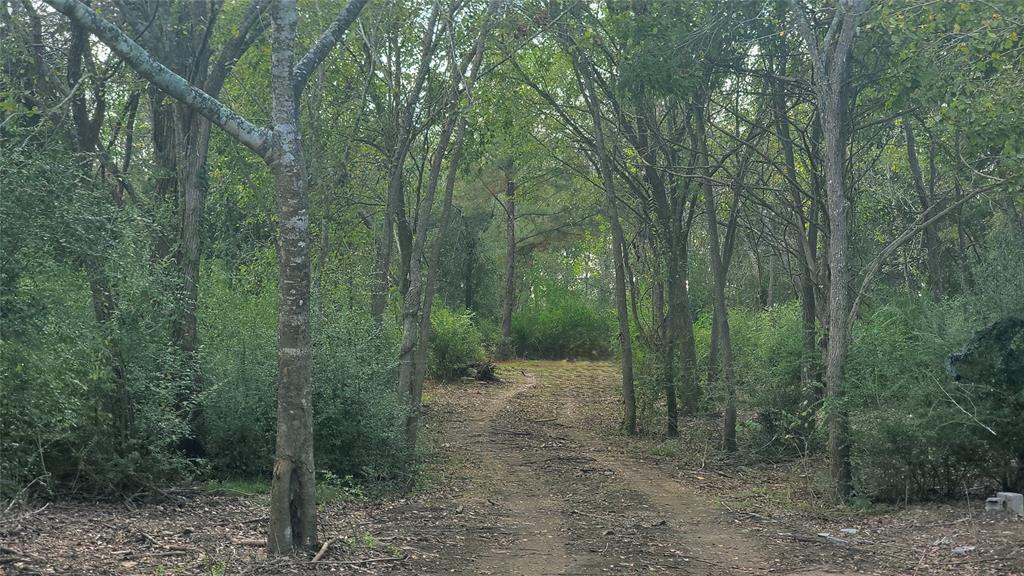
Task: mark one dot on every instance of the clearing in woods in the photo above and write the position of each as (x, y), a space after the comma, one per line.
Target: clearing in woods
(530, 477)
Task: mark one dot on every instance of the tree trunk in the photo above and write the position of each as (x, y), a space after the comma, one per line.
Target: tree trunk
(690, 384)
(963, 261)
(413, 306)
(402, 142)
(433, 264)
(508, 304)
(416, 322)
(830, 61)
(806, 240)
(164, 158)
(181, 138)
(618, 256)
(933, 257)
(839, 301)
(676, 288)
(721, 318)
(386, 242)
(293, 492)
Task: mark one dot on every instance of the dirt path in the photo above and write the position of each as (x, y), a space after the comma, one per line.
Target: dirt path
(538, 491)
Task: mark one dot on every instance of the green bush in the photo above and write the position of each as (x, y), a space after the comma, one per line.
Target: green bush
(61, 401)
(648, 386)
(455, 343)
(766, 348)
(356, 410)
(357, 406)
(916, 434)
(560, 323)
(84, 407)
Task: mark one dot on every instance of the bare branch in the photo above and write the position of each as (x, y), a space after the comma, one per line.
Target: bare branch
(326, 42)
(254, 137)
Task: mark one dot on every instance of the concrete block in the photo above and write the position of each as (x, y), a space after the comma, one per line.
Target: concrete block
(994, 505)
(1012, 502)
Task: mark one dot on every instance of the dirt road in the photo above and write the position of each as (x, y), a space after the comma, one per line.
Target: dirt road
(536, 489)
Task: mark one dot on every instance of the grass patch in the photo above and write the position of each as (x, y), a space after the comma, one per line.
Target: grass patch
(666, 449)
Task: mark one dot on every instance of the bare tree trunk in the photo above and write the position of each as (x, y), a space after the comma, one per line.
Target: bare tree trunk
(839, 302)
(806, 243)
(433, 264)
(417, 310)
(931, 233)
(401, 144)
(293, 492)
(191, 182)
(618, 256)
(625, 337)
(676, 295)
(386, 242)
(413, 307)
(830, 60)
(508, 304)
(164, 157)
(721, 318)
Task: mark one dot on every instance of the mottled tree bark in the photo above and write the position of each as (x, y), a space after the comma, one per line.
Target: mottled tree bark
(293, 491)
(830, 60)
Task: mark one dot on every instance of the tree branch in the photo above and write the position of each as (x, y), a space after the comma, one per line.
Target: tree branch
(249, 30)
(254, 137)
(905, 237)
(326, 42)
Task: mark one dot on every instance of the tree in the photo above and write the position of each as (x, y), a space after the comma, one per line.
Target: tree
(830, 58)
(178, 35)
(418, 299)
(293, 492)
(600, 149)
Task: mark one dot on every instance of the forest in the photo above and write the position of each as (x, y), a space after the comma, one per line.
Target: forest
(511, 286)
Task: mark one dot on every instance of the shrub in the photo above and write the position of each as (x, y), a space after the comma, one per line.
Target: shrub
(455, 343)
(357, 406)
(912, 439)
(648, 386)
(560, 323)
(356, 410)
(766, 348)
(61, 401)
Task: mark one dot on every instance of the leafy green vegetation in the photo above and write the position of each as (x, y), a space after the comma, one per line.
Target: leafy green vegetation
(456, 343)
(809, 244)
(558, 323)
